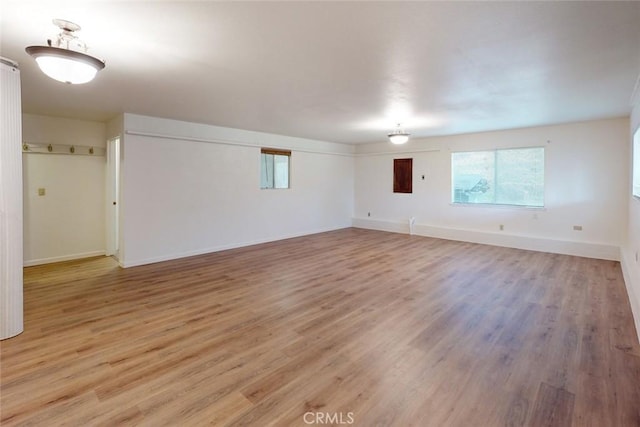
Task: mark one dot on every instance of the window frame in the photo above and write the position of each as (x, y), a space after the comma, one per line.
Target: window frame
(276, 152)
(635, 165)
(498, 205)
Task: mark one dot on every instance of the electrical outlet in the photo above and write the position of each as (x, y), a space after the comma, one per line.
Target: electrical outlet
(41, 191)
(577, 227)
(501, 227)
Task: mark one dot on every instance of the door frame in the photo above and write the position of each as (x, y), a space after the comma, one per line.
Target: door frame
(112, 201)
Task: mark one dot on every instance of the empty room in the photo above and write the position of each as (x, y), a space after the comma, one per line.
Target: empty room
(319, 213)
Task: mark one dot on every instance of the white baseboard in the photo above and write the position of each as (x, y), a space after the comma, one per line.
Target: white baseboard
(632, 281)
(40, 261)
(134, 263)
(583, 249)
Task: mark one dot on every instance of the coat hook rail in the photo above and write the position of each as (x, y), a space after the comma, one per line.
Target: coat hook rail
(81, 150)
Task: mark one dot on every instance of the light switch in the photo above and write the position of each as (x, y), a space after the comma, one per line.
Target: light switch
(41, 191)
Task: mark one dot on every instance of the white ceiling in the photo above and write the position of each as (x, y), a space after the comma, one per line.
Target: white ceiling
(339, 71)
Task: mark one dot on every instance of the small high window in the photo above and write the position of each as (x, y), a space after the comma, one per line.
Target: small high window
(274, 168)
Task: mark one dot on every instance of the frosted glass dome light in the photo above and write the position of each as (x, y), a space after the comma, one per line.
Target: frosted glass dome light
(398, 136)
(62, 63)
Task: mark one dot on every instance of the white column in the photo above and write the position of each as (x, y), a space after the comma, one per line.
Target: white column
(11, 256)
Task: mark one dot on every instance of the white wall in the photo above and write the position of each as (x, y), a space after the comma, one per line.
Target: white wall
(586, 170)
(631, 248)
(68, 221)
(183, 197)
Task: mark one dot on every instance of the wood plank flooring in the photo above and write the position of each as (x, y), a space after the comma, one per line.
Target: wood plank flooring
(352, 327)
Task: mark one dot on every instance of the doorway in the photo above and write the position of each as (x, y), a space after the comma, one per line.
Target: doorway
(113, 198)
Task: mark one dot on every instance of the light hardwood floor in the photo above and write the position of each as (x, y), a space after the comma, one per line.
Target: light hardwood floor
(376, 328)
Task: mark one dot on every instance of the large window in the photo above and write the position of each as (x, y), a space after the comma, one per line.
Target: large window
(499, 177)
(274, 168)
(636, 164)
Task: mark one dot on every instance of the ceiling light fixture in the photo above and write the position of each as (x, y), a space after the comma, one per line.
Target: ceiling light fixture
(398, 136)
(65, 59)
